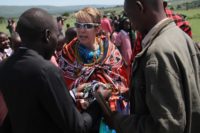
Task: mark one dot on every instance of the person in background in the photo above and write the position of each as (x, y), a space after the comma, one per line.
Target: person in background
(93, 62)
(58, 51)
(34, 89)
(106, 26)
(123, 41)
(60, 22)
(178, 19)
(70, 34)
(5, 50)
(11, 25)
(115, 27)
(165, 83)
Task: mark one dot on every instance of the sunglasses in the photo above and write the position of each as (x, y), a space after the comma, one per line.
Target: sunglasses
(86, 25)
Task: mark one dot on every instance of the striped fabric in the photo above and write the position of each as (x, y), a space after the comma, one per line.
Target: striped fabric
(109, 70)
(180, 21)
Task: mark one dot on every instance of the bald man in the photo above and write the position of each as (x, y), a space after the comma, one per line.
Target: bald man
(33, 88)
(165, 83)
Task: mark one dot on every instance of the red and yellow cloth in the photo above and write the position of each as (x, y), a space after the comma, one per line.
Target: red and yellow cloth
(109, 69)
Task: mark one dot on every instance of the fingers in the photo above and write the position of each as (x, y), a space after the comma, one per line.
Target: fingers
(83, 103)
(81, 87)
(79, 91)
(79, 95)
(105, 93)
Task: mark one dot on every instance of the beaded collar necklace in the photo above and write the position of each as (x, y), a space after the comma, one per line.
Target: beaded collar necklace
(88, 57)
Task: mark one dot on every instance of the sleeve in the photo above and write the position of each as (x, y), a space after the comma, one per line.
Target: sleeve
(113, 37)
(164, 99)
(126, 44)
(59, 104)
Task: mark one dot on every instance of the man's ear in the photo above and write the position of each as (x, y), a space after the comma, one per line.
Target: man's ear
(47, 35)
(140, 6)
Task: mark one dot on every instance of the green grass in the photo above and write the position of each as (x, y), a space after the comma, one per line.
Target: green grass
(70, 20)
(190, 12)
(3, 27)
(194, 22)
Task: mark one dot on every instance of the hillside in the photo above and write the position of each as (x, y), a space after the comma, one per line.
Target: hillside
(177, 2)
(16, 11)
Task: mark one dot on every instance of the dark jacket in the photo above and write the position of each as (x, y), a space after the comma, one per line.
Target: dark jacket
(37, 99)
(165, 93)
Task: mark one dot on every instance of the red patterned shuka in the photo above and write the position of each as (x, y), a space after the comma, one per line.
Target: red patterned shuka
(109, 68)
(180, 21)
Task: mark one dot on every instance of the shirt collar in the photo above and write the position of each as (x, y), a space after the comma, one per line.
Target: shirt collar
(151, 32)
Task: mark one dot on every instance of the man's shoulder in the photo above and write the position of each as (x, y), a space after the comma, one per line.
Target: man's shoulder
(167, 40)
(32, 59)
(168, 32)
(26, 62)
(42, 66)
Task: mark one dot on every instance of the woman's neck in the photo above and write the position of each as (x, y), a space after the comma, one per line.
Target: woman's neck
(93, 46)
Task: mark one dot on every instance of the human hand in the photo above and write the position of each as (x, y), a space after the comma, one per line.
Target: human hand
(84, 104)
(78, 92)
(79, 96)
(104, 92)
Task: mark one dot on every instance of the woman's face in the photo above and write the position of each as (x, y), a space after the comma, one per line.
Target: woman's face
(86, 31)
(127, 24)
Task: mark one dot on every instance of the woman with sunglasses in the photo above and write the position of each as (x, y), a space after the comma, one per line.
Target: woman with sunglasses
(91, 63)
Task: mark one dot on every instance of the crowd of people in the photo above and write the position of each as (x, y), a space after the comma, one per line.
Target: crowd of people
(144, 63)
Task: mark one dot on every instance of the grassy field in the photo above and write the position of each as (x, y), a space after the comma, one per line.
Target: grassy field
(3, 27)
(193, 16)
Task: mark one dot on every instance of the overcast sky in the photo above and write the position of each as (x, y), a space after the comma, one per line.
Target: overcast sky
(61, 2)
